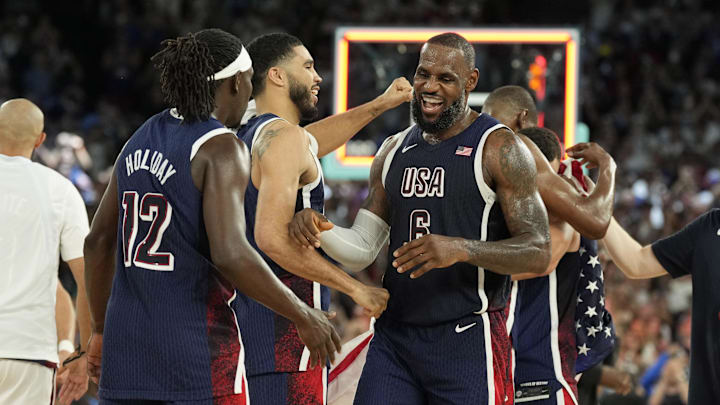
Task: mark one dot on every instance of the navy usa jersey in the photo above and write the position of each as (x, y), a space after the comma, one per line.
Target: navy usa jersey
(170, 332)
(440, 189)
(542, 325)
(272, 340)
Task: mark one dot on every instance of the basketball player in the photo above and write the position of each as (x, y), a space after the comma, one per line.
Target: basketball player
(286, 176)
(594, 335)
(433, 189)
(43, 218)
(694, 251)
(590, 215)
(542, 315)
(174, 213)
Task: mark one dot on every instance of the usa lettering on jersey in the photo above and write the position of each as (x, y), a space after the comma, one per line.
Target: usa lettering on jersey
(138, 160)
(423, 182)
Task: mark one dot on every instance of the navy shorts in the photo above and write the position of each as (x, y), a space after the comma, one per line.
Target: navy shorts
(463, 362)
(296, 388)
(235, 399)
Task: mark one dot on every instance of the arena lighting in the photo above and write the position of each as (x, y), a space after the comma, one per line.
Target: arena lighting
(341, 165)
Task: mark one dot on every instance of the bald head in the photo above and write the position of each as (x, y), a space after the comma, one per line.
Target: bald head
(512, 106)
(21, 123)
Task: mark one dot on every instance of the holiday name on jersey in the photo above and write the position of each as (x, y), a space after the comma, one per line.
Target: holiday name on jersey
(138, 160)
(423, 182)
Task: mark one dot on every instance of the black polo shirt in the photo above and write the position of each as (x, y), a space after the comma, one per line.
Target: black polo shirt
(695, 250)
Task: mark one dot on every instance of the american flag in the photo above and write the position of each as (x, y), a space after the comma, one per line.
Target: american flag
(463, 150)
(594, 329)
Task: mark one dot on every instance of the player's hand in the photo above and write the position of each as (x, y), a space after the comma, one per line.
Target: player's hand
(306, 226)
(94, 357)
(592, 154)
(399, 91)
(75, 380)
(320, 337)
(429, 252)
(372, 299)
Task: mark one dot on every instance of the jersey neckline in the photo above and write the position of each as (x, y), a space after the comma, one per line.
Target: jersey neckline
(420, 139)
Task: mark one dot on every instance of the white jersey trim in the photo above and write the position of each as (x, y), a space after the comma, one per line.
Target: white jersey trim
(481, 271)
(240, 371)
(513, 304)
(489, 196)
(509, 325)
(489, 358)
(308, 188)
(208, 135)
(388, 159)
(487, 193)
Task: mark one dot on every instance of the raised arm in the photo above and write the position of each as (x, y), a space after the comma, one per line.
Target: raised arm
(633, 259)
(221, 171)
(335, 130)
(588, 215)
(509, 166)
(280, 159)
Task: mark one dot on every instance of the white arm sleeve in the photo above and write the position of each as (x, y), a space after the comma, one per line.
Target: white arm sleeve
(356, 247)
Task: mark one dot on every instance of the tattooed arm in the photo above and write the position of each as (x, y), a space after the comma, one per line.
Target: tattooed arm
(280, 160)
(509, 166)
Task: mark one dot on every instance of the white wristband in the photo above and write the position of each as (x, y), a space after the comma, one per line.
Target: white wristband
(66, 346)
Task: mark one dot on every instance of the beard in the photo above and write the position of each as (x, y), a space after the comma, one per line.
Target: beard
(302, 98)
(445, 120)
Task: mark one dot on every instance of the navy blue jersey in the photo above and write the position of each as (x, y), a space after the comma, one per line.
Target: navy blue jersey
(594, 329)
(170, 332)
(440, 189)
(695, 250)
(272, 340)
(543, 332)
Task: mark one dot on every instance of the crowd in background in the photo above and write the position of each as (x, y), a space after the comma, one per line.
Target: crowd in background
(649, 93)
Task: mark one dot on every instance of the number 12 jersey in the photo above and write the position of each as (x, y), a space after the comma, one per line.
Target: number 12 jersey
(170, 331)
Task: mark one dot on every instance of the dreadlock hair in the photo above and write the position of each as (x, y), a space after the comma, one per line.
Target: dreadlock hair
(186, 62)
(456, 41)
(267, 51)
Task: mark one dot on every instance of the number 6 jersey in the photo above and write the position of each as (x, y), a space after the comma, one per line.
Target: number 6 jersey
(170, 332)
(440, 189)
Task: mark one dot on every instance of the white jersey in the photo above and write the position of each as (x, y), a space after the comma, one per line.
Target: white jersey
(42, 217)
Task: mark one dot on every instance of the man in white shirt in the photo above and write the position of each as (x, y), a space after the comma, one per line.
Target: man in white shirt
(42, 218)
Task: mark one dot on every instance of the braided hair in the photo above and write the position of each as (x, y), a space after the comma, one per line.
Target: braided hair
(186, 62)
